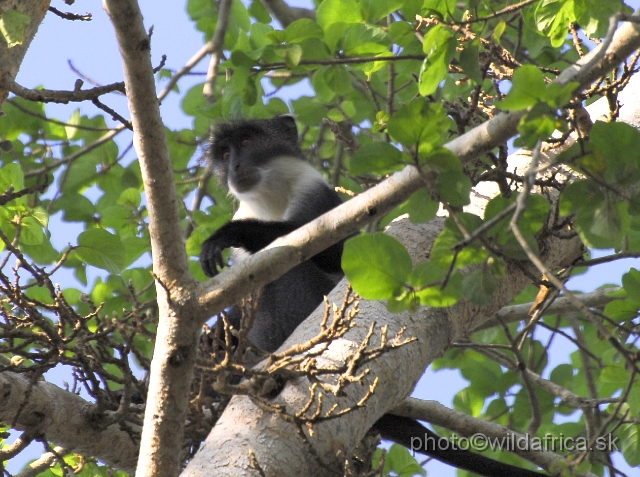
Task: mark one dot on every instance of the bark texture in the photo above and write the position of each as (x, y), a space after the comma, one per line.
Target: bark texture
(43, 409)
(11, 58)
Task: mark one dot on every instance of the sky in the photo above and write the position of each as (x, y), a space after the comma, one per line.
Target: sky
(92, 49)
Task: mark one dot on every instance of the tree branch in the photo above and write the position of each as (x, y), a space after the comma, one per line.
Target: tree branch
(64, 97)
(179, 316)
(244, 426)
(216, 46)
(11, 56)
(286, 14)
(461, 423)
(231, 285)
(511, 314)
(64, 418)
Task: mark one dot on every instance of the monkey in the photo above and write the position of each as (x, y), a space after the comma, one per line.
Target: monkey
(262, 165)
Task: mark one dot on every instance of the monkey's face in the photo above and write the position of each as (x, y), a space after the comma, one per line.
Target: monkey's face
(242, 168)
(243, 151)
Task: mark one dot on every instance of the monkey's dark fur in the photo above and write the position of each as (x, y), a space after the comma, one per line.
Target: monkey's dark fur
(259, 161)
(261, 164)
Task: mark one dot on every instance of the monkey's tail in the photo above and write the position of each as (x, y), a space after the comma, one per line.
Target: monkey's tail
(407, 432)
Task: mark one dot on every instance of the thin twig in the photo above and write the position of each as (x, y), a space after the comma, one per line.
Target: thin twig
(216, 45)
(87, 17)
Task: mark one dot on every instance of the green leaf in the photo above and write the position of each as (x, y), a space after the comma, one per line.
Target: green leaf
(442, 159)
(293, 56)
(337, 78)
(31, 232)
(527, 88)
(435, 296)
(400, 461)
(309, 111)
(101, 249)
(402, 33)
(11, 176)
(594, 18)
(499, 30)
(580, 196)
(614, 374)
(421, 207)
(12, 26)
(438, 46)
(532, 220)
(406, 301)
(73, 121)
(556, 96)
(630, 444)
(617, 160)
(302, 29)
(376, 158)
(331, 12)
(419, 122)
(364, 40)
(454, 187)
(258, 11)
(193, 102)
(443, 7)
(469, 60)
(427, 278)
(553, 18)
(250, 91)
(469, 401)
(624, 310)
(608, 225)
(442, 253)
(383, 277)
(329, 81)
(75, 207)
(199, 8)
(537, 125)
(134, 247)
(315, 49)
(374, 10)
(43, 253)
(562, 375)
(479, 286)
(427, 274)
(239, 21)
(631, 284)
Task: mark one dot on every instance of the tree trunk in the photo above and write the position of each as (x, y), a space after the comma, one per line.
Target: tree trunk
(11, 57)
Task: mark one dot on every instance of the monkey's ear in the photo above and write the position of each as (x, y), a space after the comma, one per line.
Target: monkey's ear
(287, 123)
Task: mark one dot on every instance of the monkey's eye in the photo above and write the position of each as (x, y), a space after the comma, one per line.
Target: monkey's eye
(226, 155)
(245, 142)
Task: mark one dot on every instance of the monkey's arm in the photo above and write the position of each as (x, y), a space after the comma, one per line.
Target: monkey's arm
(253, 235)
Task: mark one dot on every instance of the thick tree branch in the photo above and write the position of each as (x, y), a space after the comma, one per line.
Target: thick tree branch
(232, 285)
(227, 448)
(179, 316)
(11, 57)
(64, 418)
(466, 425)
(296, 255)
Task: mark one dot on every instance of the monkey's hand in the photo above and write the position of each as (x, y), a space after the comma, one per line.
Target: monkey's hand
(211, 256)
(249, 234)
